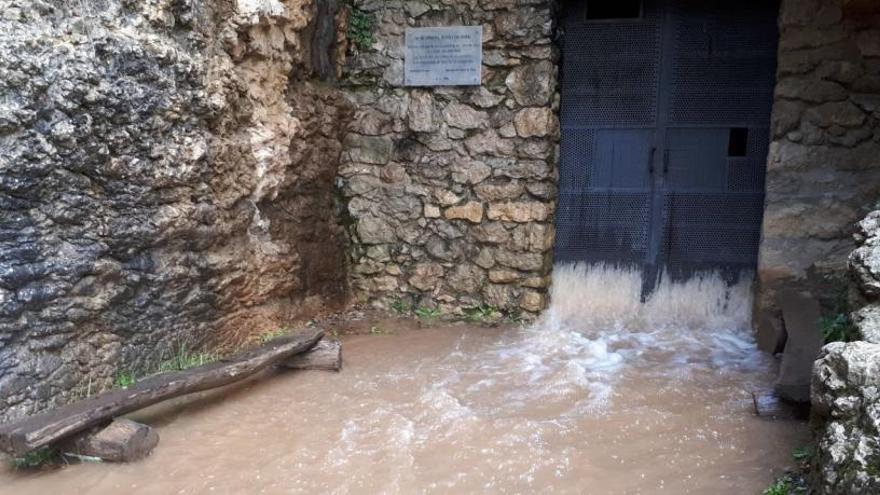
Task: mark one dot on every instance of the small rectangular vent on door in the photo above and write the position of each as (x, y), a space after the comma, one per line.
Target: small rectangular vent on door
(613, 9)
(737, 143)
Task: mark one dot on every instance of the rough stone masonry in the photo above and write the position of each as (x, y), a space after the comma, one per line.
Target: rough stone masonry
(823, 168)
(451, 190)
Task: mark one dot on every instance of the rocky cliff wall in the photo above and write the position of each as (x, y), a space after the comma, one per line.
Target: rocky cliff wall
(823, 171)
(451, 191)
(166, 179)
(846, 383)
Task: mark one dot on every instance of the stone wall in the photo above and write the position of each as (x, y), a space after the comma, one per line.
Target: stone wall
(451, 190)
(823, 168)
(162, 183)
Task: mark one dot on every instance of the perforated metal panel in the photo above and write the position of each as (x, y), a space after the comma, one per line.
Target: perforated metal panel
(649, 171)
(602, 226)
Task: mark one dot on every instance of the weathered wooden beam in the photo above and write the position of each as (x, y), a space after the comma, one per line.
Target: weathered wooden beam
(123, 440)
(326, 355)
(47, 428)
(801, 314)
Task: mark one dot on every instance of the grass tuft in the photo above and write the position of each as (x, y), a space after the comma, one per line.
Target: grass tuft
(36, 459)
(426, 313)
(125, 379)
(400, 307)
(271, 334)
(484, 313)
(186, 359)
(838, 328)
(801, 454)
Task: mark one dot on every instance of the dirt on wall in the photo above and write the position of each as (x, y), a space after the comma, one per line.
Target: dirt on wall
(166, 178)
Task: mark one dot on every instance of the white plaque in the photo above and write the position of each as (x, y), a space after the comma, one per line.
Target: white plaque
(443, 56)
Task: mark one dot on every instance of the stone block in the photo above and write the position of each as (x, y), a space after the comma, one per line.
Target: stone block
(369, 149)
(425, 276)
(121, 441)
(532, 84)
(521, 212)
(535, 122)
(374, 230)
(497, 192)
(471, 211)
(470, 172)
(532, 301)
(464, 117)
(842, 113)
(504, 276)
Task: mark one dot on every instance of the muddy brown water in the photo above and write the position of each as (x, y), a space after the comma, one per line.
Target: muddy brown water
(626, 403)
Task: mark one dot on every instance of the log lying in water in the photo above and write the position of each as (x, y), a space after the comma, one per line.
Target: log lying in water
(122, 441)
(47, 428)
(326, 355)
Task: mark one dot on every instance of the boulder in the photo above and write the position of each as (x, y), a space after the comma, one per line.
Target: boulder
(846, 405)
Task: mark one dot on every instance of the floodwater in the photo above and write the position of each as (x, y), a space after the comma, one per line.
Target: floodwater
(603, 396)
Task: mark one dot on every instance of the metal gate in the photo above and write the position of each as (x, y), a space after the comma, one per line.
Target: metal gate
(665, 126)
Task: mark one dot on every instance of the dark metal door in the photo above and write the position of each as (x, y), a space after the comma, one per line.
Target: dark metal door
(665, 124)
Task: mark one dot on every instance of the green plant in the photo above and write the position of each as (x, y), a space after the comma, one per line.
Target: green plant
(399, 306)
(184, 359)
(426, 313)
(837, 328)
(786, 485)
(802, 453)
(36, 459)
(360, 29)
(125, 379)
(271, 334)
(516, 317)
(334, 334)
(483, 313)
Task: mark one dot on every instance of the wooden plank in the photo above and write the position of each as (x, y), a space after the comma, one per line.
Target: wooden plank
(327, 356)
(47, 428)
(801, 314)
(122, 441)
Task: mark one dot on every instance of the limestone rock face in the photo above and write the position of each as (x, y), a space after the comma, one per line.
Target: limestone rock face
(846, 384)
(161, 184)
(846, 395)
(864, 261)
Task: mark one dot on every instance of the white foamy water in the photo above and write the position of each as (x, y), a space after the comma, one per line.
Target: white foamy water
(604, 394)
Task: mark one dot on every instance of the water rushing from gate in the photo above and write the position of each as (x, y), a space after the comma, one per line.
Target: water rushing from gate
(603, 395)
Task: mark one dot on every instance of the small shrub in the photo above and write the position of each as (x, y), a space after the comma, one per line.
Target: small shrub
(185, 359)
(426, 313)
(360, 29)
(125, 379)
(483, 313)
(399, 307)
(801, 454)
(36, 459)
(786, 485)
(837, 328)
